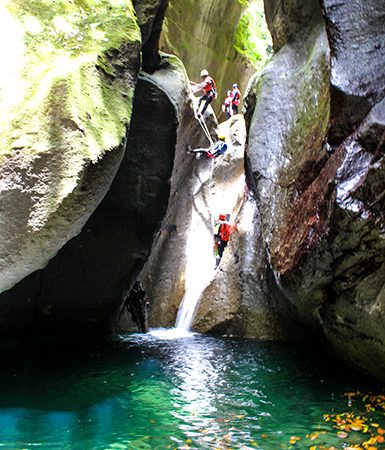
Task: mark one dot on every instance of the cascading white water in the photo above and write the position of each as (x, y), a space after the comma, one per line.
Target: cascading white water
(200, 262)
(199, 267)
(208, 200)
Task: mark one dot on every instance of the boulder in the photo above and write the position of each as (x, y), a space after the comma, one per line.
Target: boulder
(319, 184)
(63, 131)
(357, 45)
(66, 137)
(80, 290)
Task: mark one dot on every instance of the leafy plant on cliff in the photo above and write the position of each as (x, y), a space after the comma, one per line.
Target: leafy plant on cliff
(252, 38)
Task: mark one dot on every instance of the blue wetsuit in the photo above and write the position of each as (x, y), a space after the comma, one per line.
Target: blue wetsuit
(219, 149)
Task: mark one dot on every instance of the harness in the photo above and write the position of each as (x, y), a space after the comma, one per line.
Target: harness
(210, 87)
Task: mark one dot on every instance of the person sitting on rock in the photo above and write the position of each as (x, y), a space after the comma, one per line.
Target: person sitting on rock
(222, 231)
(210, 91)
(217, 149)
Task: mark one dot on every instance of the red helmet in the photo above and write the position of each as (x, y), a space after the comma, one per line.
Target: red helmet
(222, 217)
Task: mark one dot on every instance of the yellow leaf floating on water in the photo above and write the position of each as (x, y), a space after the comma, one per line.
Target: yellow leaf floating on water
(342, 434)
(313, 436)
(294, 439)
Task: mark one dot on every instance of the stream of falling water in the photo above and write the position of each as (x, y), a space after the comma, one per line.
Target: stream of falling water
(200, 264)
(199, 271)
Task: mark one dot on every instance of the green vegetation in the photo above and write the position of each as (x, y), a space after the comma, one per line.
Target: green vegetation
(51, 86)
(252, 38)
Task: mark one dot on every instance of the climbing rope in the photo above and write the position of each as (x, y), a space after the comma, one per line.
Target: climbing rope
(205, 129)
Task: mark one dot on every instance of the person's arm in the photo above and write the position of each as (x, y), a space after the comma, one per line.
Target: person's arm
(196, 87)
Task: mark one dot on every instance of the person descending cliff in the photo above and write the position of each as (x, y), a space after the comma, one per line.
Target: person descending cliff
(222, 231)
(235, 98)
(209, 88)
(217, 149)
(227, 105)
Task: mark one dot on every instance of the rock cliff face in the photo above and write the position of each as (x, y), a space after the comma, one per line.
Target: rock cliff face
(239, 298)
(113, 171)
(56, 173)
(316, 145)
(204, 35)
(53, 132)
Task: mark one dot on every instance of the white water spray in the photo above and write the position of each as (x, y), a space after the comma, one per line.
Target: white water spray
(200, 264)
(199, 269)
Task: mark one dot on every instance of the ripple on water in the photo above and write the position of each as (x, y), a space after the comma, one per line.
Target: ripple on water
(154, 391)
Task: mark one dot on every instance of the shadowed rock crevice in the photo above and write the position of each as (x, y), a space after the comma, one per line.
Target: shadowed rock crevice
(151, 15)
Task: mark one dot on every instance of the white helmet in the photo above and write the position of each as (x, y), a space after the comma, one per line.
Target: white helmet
(204, 73)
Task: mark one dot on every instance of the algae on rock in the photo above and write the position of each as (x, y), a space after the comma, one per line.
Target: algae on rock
(77, 65)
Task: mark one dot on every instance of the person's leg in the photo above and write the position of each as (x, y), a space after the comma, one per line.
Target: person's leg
(201, 99)
(199, 150)
(235, 109)
(221, 247)
(208, 101)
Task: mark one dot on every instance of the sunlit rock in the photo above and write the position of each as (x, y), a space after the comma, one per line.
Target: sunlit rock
(61, 141)
(62, 145)
(357, 43)
(227, 37)
(186, 224)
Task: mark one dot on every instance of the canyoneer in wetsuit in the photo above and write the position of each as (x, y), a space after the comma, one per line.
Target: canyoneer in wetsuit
(218, 149)
(222, 231)
(227, 105)
(210, 91)
(235, 99)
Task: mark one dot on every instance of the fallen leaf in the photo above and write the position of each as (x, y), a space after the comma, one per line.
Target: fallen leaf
(342, 434)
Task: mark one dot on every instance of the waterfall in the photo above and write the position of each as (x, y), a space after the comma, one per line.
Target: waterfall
(200, 261)
(199, 269)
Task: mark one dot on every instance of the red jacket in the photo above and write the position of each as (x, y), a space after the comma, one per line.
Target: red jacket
(210, 87)
(236, 96)
(225, 231)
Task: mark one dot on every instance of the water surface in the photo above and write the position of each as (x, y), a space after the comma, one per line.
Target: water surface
(142, 392)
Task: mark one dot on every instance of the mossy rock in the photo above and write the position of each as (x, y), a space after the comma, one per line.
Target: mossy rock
(66, 92)
(58, 80)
